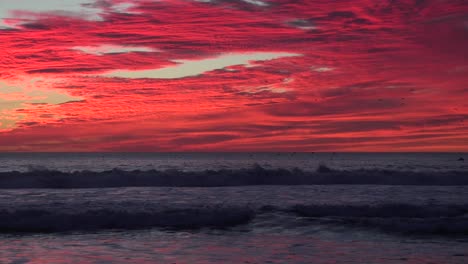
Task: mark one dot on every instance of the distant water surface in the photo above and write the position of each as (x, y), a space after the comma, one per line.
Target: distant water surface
(202, 161)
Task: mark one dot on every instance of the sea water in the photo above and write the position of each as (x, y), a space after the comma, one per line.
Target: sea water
(422, 217)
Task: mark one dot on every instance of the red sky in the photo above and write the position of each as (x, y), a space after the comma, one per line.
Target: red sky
(243, 75)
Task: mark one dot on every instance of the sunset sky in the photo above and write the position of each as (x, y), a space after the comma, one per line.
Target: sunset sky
(233, 75)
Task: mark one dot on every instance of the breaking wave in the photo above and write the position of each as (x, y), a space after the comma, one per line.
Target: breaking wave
(36, 220)
(447, 220)
(257, 175)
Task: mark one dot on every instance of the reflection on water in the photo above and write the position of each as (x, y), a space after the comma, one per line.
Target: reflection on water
(235, 246)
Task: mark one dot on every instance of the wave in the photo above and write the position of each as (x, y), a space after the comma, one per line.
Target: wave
(257, 175)
(399, 218)
(46, 221)
(429, 219)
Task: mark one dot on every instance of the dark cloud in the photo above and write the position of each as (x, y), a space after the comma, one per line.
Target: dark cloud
(36, 26)
(65, 70)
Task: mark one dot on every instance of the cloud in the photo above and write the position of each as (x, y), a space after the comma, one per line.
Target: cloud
(26, 97)
(256, 2)
(233, 75)
(321, 69)
(186, 68)
(109, 49)
(78, 8)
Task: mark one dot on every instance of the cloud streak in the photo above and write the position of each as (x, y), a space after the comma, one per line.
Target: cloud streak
(277, 75)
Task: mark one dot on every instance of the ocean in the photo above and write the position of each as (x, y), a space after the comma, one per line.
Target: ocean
(233, 208)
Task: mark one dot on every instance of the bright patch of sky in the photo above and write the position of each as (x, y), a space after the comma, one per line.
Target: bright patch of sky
(108, 49)
(186, 68)
(78, 8)
(13, 97)
(256, 2)
(123, 7)
(321, 69)
(303, 24)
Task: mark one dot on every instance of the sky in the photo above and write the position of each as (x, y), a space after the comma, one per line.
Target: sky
(233, 75)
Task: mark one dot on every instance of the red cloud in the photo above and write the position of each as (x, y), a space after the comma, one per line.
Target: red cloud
(395, 81)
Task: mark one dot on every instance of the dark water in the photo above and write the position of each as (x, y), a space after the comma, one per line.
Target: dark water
(282, 223)
(202, 161)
